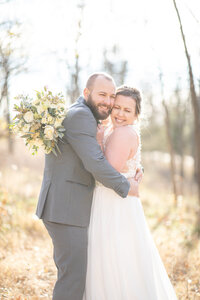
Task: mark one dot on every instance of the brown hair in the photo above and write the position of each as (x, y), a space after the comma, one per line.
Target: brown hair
(133, 93)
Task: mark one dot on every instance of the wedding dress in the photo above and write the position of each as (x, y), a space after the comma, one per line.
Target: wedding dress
(123, 261)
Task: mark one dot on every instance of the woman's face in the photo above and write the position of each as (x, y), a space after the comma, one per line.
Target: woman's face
(123, 111)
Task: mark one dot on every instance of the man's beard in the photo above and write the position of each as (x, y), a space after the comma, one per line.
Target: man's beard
(95, 109)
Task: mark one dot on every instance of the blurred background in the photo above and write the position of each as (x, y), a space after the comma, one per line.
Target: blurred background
(152, 45)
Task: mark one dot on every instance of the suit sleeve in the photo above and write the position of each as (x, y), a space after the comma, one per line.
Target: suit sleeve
(80, 132)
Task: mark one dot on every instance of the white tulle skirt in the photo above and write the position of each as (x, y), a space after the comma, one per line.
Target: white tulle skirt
(123, 261)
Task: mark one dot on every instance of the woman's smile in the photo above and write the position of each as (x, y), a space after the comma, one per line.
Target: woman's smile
(124, 111)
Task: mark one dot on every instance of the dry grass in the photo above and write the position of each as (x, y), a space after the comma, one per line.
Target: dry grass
(26, 267)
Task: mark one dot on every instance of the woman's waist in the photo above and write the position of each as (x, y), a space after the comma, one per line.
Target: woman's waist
(99, 186)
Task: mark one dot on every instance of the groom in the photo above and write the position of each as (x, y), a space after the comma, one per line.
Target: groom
(68, 183)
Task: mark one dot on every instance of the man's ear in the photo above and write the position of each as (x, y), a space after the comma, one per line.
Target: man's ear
(86, 93)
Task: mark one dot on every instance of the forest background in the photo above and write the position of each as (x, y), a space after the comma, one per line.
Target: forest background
(152, 45)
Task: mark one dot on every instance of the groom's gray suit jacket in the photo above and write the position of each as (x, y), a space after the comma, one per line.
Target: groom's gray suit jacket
(69, 179)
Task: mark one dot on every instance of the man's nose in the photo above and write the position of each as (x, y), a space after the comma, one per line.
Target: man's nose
(108, 100)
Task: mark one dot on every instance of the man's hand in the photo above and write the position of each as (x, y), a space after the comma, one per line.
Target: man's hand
(134, 187)
(139, 175)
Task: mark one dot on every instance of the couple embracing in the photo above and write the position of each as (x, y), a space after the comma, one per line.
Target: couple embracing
(89, 202)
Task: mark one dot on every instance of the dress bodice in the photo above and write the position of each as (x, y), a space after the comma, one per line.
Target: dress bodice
(122, 255)
(134, 162)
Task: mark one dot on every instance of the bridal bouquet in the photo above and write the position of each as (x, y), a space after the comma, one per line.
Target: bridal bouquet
(39, 120)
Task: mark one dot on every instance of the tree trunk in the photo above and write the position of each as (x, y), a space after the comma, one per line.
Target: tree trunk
(10, 139)
(73, 88)
(182, 173)
(196, 109)
(171, 151)
(169, 141)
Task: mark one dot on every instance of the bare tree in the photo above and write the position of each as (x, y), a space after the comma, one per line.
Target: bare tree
(181, 132)
(12, 62)
(115, 67)
(73, 87)
(169, 140)
(4, 1)
(196, 110)
(180, 111)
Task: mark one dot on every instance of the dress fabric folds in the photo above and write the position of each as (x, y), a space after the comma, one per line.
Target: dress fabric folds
(123, 261)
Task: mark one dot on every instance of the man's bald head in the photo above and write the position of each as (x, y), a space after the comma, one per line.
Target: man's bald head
(94, 76)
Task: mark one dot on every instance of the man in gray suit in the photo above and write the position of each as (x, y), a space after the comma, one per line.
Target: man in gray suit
(68, 183)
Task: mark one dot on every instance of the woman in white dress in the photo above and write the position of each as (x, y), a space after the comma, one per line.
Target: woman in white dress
(123, 261)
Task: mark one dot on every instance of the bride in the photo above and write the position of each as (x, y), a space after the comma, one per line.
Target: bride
(123, 261)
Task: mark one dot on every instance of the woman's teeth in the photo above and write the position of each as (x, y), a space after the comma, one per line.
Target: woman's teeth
(118, 121)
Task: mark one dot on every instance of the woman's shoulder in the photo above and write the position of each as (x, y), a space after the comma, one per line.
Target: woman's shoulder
(124, 137)
(126, 131)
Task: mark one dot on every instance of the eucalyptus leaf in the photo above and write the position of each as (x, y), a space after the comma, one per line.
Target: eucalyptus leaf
(62, 129)
(47, 143)
(58, 149)
(61, 140)
(60, 135)
(25, 136)
(54, 151)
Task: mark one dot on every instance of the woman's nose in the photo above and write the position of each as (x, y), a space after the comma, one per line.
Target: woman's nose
(120, 113)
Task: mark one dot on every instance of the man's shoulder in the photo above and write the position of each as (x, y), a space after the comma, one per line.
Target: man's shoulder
(79, 107)
(80, 113)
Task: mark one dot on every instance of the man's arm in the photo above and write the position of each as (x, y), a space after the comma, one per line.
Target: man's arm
(80, 132)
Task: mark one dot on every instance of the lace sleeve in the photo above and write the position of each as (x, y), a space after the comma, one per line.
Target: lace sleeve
(136, 128)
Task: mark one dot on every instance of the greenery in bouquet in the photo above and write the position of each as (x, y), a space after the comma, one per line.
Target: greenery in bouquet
(39, 120)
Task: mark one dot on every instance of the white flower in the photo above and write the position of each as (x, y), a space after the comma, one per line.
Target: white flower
(36, 102)
(41, 109)
(54, 106)
(50, 119)
(31, 143)
(58, 123)
(26, 128)
(44, 120)
(28, 117)
(47, 151)
(61, 105)
(39, 143)
(49, 132)
(56, 134)
(16, 129)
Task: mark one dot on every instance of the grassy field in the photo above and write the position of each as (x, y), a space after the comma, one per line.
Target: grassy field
(26, 266)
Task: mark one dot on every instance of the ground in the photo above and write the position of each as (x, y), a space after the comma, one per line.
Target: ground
(27, 270)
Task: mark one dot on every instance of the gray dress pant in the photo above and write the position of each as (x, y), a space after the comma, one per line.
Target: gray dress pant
(70, 257)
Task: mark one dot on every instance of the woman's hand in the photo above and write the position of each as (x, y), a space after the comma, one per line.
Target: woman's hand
(134, 187)
(139, 175)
